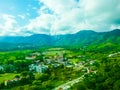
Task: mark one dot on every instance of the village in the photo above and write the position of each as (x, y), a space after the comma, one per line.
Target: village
(41, 62)
(60, 58)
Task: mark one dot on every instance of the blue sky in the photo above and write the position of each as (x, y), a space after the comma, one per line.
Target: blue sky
(26, 17)
(21, 9)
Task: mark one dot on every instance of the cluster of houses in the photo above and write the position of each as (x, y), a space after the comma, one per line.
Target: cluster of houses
(14, 81)
(55, 61)
(38, 67)
(10, 83)
(32, 56)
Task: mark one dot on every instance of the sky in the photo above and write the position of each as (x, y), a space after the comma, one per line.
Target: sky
(27, 17)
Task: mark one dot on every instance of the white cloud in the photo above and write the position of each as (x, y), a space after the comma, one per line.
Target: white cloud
(63, 17)
(70, 16)
(115, 26)
(66, 16)
(60, 6)
(9, 25)
(9, 21)
(41, 24)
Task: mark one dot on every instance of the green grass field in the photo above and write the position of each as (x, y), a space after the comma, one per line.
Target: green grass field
(7, 76)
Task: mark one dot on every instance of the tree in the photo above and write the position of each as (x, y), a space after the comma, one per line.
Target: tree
(79, 86)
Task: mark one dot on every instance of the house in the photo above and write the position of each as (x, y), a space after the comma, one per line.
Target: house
(69, 66)
(36, 54)
(30, 57)
(110, 55)
(92, 62)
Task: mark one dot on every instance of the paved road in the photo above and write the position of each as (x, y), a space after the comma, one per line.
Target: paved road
(67, 85)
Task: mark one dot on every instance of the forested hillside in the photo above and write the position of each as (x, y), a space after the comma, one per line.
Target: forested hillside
(89, 38)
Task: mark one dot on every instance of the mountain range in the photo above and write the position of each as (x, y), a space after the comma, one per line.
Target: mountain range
(82, 38)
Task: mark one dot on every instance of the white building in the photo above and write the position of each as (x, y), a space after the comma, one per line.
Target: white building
(38, 68)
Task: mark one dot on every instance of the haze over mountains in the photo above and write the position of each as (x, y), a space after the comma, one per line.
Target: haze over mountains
(82, 38)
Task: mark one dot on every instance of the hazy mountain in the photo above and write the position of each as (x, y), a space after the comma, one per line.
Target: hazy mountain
(81, 38)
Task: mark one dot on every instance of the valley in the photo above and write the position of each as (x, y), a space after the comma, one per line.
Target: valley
(53, 68)
(80, 64)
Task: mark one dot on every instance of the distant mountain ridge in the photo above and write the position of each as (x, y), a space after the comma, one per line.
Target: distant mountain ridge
(81, 38)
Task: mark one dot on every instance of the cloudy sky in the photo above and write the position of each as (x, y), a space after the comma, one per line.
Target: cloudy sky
(26, 17)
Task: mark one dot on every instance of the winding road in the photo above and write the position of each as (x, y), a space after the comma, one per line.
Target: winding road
(67, 85)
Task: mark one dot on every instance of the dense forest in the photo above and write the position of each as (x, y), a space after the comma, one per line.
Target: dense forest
(85, 38)
(106, 77)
